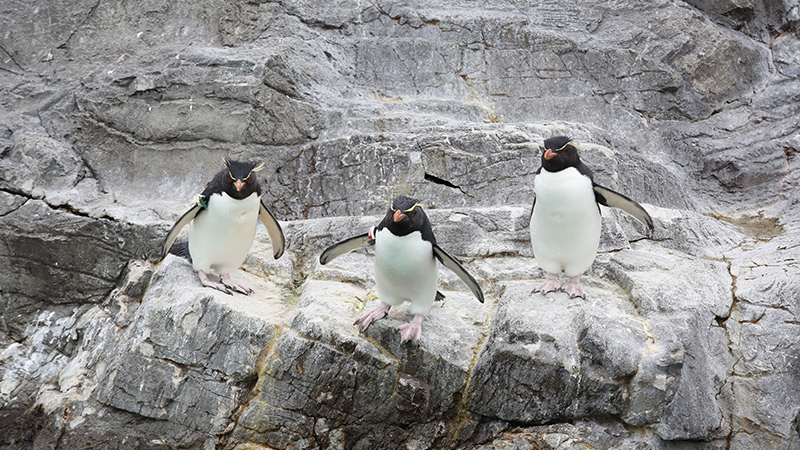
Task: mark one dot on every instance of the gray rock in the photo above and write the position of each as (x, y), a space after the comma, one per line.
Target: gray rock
(112, 118)
(564, 372)
(580, 435)
(670, 282)
(48, 249)
(785, 51)
(39, 164)
(762, 339)
(368, 390)
(186, 358)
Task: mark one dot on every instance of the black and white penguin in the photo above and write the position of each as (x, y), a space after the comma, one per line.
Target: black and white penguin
(223, 225)
(565, 219)
(406, 267)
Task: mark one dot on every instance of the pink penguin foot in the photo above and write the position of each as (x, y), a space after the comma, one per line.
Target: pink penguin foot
(550, 284)
(412, 330)
(208, 283)
(372, 315)
(573, 287)
(229, 283)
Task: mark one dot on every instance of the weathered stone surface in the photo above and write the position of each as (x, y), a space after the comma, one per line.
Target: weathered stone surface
(39, 164)
(47, 249)
(186, 358)
(540, 343)
(583, 435)
(613, 356)
(113, 116)
(763, 329)
(365, 391)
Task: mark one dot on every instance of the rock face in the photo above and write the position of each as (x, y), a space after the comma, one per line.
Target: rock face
(113, 115)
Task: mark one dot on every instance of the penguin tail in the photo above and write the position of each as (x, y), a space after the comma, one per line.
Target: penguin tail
(181, 249)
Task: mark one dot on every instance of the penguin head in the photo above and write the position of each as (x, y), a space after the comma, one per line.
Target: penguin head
(239, 178)
(560, 153)
(405, 215)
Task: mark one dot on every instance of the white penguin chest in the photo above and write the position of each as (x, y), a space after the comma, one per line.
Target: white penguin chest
(220, 237)
(564, 197)
(566, 222)
(225, 211)
(404, 258)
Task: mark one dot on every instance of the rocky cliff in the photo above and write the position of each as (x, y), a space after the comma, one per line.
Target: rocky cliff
(113, 115)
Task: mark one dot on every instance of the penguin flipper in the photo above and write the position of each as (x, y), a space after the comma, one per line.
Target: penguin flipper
(187, 217)
(274, 231)
(607, 197)
(457, 269)
(346, 246)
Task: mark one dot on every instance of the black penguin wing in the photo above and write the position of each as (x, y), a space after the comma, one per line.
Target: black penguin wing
(187, 217)
(538, 171)
(607, 197)
(273, 230)
(457, 269)
(530, 217)
(533, 205)
(346, 246)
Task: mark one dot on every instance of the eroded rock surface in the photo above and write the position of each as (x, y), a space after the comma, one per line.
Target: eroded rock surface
(113, 115)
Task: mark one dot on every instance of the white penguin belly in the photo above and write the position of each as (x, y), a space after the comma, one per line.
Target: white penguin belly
(405, 269)
(221, 236)
(566, 222)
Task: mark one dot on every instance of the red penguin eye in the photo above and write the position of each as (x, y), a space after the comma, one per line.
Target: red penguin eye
(230, 179)
(249, 179)
(411, 214)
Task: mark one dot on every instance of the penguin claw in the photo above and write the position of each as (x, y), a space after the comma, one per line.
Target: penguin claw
(208, 283)
(550, 284)
(230, 284)
(412, 330)
(218, 286)
(239, 288)
(573, 288)
(372, 315)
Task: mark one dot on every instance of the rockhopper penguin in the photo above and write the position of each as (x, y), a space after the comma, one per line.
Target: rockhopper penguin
(223, 226)
(565, 219)
(406, 267)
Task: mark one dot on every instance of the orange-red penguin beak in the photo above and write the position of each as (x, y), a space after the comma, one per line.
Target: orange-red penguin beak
(398, 216)
(239, 185)
(549, 154)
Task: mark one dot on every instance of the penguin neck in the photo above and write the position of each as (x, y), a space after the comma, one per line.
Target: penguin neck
(247, 191)
(400, 229)
(395, 251)
(392, 237)
(224, 205)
